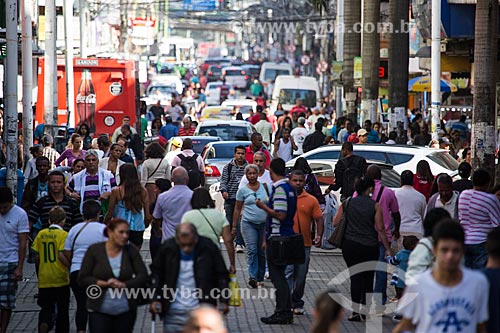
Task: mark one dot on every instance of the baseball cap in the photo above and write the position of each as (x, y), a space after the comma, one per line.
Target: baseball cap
(177, 142)
(362, 132)
(444, 140)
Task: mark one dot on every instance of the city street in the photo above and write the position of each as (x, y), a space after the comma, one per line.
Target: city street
(325, 265)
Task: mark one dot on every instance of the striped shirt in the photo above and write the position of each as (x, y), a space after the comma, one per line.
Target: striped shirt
(280, 205)
(184, 132)
(479, 213)
(91, 187)
(230, 181)
(52, 155)
(40, 210)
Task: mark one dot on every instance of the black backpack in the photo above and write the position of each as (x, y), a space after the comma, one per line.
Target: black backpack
(352, 173)
(191, 165)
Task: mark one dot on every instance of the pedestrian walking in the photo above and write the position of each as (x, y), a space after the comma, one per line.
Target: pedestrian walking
(210, 222)
(259, 159)
(315, 139)
(311, 182)
(429, 306)
(169, 130)
(37, 187)
(161, 185)
(72, 152)
(53, 277)
(130, 202)
(205, 319)
(154, 167)
(446, 197)
(348, 170)
(48, 151)
(328, 313)
(192, 163)
(30, 169)
(113, 265)
(79, 238)
(364, 228)
(256, 146)
(187, 128)
(171, 205)
(112, 163)
(252, 223)
(14, 228)
(281, 211)
(308, 213)
(285, 146)
(423, 179)
(299, 135)
(264, 128)
(464, 183)
(492, 272)
(479, 213)
(174, 268)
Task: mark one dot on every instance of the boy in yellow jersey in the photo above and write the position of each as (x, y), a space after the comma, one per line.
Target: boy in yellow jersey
(53, 276)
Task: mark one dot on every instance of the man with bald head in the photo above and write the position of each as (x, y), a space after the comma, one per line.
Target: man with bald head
(171, 205)
(189, 286)
(390, 211)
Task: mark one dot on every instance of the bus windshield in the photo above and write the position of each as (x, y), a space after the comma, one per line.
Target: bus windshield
(290, 96)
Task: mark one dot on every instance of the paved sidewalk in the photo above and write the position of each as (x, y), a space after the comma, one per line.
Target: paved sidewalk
(324, 266)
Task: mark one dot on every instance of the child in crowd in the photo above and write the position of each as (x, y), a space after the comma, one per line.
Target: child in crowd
(53, 276)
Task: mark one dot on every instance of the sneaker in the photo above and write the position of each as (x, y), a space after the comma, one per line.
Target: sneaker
(240, 249)
(252, 283)
(298, 311)
(397, 318)
(277, 319)
(267, 276)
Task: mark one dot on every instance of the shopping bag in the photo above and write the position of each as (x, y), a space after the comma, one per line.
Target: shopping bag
(235, 299)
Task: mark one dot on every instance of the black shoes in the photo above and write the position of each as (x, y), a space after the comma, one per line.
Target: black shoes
(252, 283)
(278, 319)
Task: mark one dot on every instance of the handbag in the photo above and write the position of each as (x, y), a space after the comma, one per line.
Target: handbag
(288, 250)
(337, 238)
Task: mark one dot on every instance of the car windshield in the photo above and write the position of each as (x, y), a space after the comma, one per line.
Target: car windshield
(222, 151)
(444, 160)
(215, 70)
(290, 96)
(271, 73)
(199, 144)
(214, 86)
(226, 132)
(161, 90)
(234, 72)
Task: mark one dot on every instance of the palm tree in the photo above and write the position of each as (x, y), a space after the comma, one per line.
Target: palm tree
(398, 55)
(352, 48)
(485, 60)
(370, 59)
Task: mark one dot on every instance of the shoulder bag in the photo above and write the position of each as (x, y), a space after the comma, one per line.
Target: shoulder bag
(337, 237)
(288, 250)
(210, 224)
(156, 169)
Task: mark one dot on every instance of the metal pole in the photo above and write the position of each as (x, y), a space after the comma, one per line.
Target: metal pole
(339, 36)
(436, 68)
(83, 36)
(11, 95)
(27, 59)
(50, 76)
(70, 80)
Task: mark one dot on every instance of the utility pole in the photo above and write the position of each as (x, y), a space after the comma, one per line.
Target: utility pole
(123, 26)
(70, 80)
(339, 35)
(27, 60)
(11, 95)
(83, 37)
(436, 68)
(352, 49)
(485, 67)
(50, 77)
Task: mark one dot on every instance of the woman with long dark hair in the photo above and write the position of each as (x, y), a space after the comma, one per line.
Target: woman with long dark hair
(287, 123)
(156, 126)
(312, 185)
(129, 201)
(423, 179)
(364, 228)
(154, 167)
(112, 265)
(328, 313)
(84, 132)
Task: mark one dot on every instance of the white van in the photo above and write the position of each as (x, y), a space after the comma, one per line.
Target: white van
(288, 88)
(270, 70)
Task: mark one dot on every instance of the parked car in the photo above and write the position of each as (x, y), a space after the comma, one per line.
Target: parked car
(215, 156)
(245, 106)
(228, 130)
(401, 157)
(159, 92)
(214, 73)
(199, 142)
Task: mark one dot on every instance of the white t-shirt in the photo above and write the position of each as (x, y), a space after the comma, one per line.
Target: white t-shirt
(11, 225)
(439, 309)
(265, 178)
(93, 233)
(299, 135)
(412, 208)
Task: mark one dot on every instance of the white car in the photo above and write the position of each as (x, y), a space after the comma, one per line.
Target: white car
(400, 157)
(245, 105)
(212, 91)
(235, 76)
(172, 80)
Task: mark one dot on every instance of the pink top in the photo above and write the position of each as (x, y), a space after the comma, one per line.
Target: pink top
(68, 154)
(389, 204)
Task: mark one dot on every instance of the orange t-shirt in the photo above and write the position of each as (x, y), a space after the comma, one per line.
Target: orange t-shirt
(307, 210)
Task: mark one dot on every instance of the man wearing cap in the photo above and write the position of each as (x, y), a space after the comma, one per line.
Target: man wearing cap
(362, 137)
(299, 135)
(92, 182)
(176, 150)
(168, 130)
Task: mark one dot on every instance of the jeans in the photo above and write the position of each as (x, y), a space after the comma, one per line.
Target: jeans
(362, 282)
(47, 298)
(104, 323)
(296, 277)
(229, 208)
(253, 235)
(381, 276)
(81, 302)
(476, 256)
(283, 297)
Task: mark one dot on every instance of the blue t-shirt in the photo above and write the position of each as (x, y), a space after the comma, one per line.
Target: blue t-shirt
(252, 213)
(168, 131)
(493, 276)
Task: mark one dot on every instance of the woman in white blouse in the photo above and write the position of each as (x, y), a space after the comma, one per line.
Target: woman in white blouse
(154, 167)
(113, 162)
